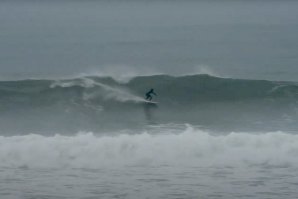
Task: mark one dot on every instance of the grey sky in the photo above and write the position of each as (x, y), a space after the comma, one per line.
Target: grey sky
(245, 39)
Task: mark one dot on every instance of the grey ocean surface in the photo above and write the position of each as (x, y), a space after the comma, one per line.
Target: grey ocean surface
(74, 122)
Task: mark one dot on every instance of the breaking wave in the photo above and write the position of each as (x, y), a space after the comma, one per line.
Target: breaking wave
(178, 90)
(95, 103)
(190, 147)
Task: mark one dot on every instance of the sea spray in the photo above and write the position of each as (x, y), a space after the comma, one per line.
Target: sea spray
(107, 92)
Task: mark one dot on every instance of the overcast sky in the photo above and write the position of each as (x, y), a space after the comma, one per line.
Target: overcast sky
(245, 39)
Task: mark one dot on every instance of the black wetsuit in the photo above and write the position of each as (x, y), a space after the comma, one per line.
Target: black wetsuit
(148, 94)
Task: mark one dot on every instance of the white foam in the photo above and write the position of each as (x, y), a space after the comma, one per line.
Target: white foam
(83, 82)
(191, 147)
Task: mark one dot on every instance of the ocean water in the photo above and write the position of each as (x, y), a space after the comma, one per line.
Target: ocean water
(95, 137)
(74, 122)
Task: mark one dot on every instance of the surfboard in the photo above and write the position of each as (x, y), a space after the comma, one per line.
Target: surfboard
(150, 102)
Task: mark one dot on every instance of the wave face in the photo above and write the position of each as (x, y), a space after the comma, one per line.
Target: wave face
(186, 147)
(177, 90)
(93, 103)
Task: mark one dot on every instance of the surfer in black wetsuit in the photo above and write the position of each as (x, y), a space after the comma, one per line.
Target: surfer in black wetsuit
(148, 94)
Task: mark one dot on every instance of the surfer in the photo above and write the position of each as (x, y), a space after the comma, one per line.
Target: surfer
(148, 94)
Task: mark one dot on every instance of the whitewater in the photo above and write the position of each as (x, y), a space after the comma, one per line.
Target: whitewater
(96, 137)
(165, 162)
(189, 146)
